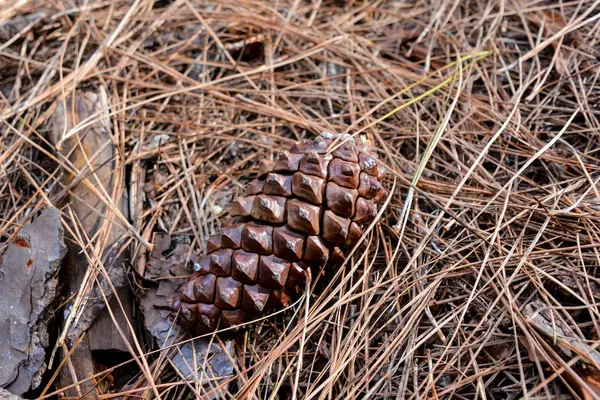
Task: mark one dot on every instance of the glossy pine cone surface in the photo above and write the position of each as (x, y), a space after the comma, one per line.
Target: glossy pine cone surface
(304, 210)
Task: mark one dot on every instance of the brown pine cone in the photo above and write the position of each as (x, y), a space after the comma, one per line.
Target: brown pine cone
(304, 210)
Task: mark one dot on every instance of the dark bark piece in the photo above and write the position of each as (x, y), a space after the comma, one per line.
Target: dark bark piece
(287, 244)
(344, 173)
(228, 293)
(244, 266)
(257, 238)
(29, 270)
(211, 358)
(539, 315)
(162, 262)
(102, 335)
(278, 185)
(11, 27)
(269, 208)
(303, 216)
(340, 200)
(81, 362)
(273, 271)
(315, 164)
(308, 187)
(5, 394)
(93, 156)
(96, 168)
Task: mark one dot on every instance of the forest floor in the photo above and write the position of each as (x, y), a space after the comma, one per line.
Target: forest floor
(128, 127)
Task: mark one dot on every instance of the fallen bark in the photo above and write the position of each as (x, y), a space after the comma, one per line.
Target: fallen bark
(212, 359)
(28, 283)
(94, 194)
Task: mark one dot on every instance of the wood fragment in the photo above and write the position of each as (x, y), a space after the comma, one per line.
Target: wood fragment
(92, 155)
(28, 286)
(538, 314)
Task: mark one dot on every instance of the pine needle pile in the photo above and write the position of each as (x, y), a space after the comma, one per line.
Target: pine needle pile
(480, 277)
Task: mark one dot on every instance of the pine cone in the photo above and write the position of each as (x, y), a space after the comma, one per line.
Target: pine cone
(303, 211)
